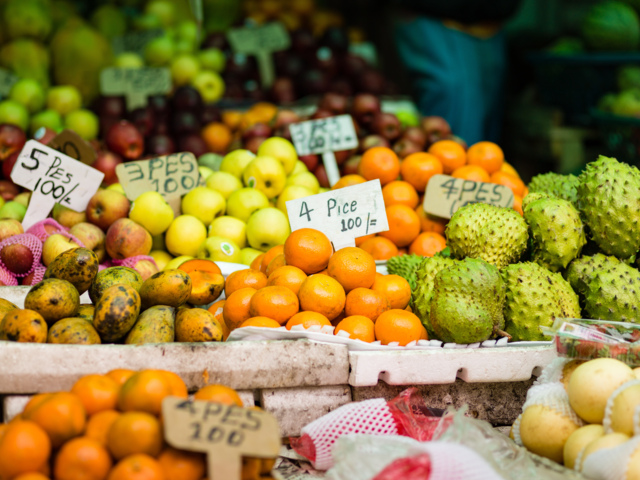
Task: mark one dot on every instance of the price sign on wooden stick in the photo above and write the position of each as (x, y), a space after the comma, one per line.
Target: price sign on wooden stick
(136, 84)
(325, 136)
(53, 177)
(342, 215)
(73, 145)
(225, 433)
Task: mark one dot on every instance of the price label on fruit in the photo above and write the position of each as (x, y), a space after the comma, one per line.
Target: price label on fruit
(7, 79)
(73, 145)
(445, 195)
(136, 84)
(325, 136)
(225, 433)
(261, 41)
(53, 177)
(342, 215)
(135, 42)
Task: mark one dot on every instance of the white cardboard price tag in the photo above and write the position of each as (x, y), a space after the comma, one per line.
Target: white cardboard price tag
(53, 177)
(445, 195)
(73, 145)
(343, 214)
(135, 83)
(225, 433)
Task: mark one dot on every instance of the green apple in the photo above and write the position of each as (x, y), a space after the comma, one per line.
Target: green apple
(210, 160)
(161, 257)
(20, 201)
(84, 122)
(187, 30)
(159, 51)
(67, 217)
(14, 113)
(229, 227)
(210, 85)
(265, 174)
(117, 187)
(64, 99)
(408, 118)
(152, 211)
(236, 161)
(224, 182)
(205, 172)
(185, 235)
(29, 93)
(249, 255)
(291, 192)
(146, 21)
(299, 168)
(242, 203)
(22, 198)
(280, 149)
(13, 210)
(220, 249)
(165, 10)
(267, 228)
(177, 261)
(204, 204)
(47, 118)
(128, 60)
(305, 179)
(212, 59)
(184, 68)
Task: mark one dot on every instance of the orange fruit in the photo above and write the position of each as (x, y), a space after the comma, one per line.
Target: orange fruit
(404, 225)
(308, 249)
(279, 303)
(231, 118)
(359, 327)
(517, 204)
(82, 459)
(31, 476)
(487, 155)
(144, 392)
(308, 319)
(429, 223)
(419, 167)
(366, 302)
(380, 248)
(526, 192)
(96, 392)
(260, 322)
(287, 276)
(99, 424)
(182, 465)
(428, 244)
(348, 181)
(471, 172)
(137, 467)
(277, 262)
(322, 294)
(270, 255)
(236, 307)
(61, 415)
(424, 335)
(513, 183)
(352, 267)
(217, 136)
(220, 394)
(120, 375)
(364, 238)
(395, 288)
(450, 153)
(381, 163)
(243, 279)
(135, 432)
(216, 309)
(508, 168)
(176, 384)
(24, 447)
(398, 326)
(399, 192)
(256, 262)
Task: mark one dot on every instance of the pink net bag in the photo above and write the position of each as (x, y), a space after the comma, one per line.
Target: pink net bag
(36, 276)
(44, 228)
(410, 468)
(71, 237)
(145, 265)
(23, 266)
(7, 278)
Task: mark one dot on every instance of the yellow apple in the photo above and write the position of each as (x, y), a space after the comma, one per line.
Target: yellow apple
(267, 228)
(305, 179)
(299, 167)
(242, 203)
(220, 249)
(236, 161)
(224, 182)
(117, 187)
(204, 204)
(152, 211)
(229, 227)
(185, 235)
(161, 258)
(265, 174)
(280, 149)
(291, 192)
(205, 172)
(177, 261)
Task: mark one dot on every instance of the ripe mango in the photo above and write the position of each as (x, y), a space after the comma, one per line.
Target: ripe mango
(78, 266)
(206, 287)
(23, 325)
(116, 312)
(169, 287)
(86, 311)
(6, 306)
(155, 325)
(197, 325)
(113, 276)
(73, 330)
(54, 299)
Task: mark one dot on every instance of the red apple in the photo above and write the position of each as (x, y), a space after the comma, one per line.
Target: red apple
(405, 147)
(311, 161)
(386, 125)
(371, 141)
(10, 227)
(126, 238)
(160, 144)
(106, 207)
(91, 236)
(146, 268)
(371, 81)
(343, 155)
(44, 135)
(12, 139)
(416, 135)
(364, 107)
(283, 91)
(321, 175)
(17, 258)
(435, 127)
(193, 143)
(350, 167)
(284, 118)
(8, 190)
(256, 130)
(30, 279)
(125, 139)
(107, 162)
(334, 102)
(321, 113)
(254, 143)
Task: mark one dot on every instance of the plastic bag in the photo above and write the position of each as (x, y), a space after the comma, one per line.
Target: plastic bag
(417, 467)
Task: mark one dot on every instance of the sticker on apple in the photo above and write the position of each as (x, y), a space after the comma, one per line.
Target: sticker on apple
(445, 194)
(53, 177)
(342, 215)
(136, 84)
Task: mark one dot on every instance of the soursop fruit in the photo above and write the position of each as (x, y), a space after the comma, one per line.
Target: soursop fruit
(556, 230)
(405, 266)
(467, 303)
(582, 270)
(556, 184)
(423, 293)
(535, 297)
(532, 197)
(614, 294)
(609, 200)
(495, 234)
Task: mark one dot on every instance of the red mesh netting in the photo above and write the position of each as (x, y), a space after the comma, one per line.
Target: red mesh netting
(38, 275)
(30, 241)
(7, 278)
(410, 468)
(41, 232)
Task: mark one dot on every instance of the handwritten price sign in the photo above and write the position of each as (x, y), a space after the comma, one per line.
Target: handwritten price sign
(225, 433)
(343, 214)
(73, 145)
(447, 194)
(136, 84)
(53, 177)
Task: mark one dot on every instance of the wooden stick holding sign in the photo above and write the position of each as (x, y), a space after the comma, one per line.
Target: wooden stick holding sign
(53, 177)
(325, 136)
(136, 84)
(225, 433)
(445, 195)
(342, 215)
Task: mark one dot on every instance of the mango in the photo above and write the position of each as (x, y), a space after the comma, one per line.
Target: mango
(23, 325)
(197, 325)
(54, 299)
(73, 330)
(155, 325)
(116, 312)
(169, 287)
(86, 311)
(206, 287)
(6, 306)
(113, 276)
(78, 266)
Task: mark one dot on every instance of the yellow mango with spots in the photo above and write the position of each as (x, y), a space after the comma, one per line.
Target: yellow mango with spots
(155, 325)
(73, 330)
(23, 325)
(197, 325)
(116, 312)
(54, 299)
(78, 266)
(169, 287)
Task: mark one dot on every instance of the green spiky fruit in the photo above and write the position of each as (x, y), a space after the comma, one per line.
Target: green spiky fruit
(405, 266)
(568, 299)
(495, 234)
(582, 270)
(423, 293)
(532, 197)
(614, 294)
(467, 303)
(609, 200)
(556, 230)
(561, 186)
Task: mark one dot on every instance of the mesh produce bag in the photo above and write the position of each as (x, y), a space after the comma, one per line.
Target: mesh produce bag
(7, 278)
(40, 231)
(132, 261)
(606, 422)
(30, 241)
(71, 237)
(38, 275)
(553, 371)
(610, 463)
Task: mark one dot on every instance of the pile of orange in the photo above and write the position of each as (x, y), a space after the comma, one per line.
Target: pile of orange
(303, 282)
(404, 182)
(107, 427)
